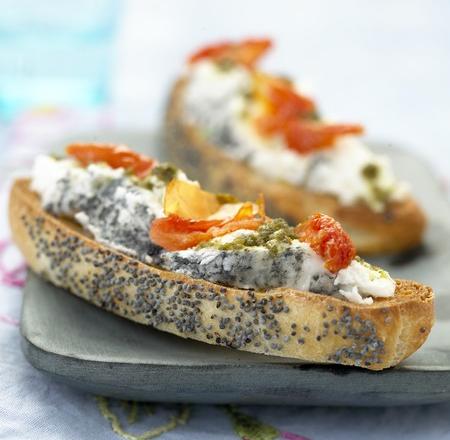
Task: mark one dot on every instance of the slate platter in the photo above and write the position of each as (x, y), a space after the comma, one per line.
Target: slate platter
(90, 349)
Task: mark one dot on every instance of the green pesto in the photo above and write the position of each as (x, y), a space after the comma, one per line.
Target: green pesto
(382, 273)
(145, 183)
(275, 235)
(371, 173)
(164, 172)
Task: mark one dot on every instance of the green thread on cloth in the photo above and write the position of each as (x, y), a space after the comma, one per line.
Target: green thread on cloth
(249, 428)
(132, 408)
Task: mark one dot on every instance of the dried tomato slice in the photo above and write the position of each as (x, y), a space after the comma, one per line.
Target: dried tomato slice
(247, 52)
(307, 136)
(116, 156)
(294, 116)
(211, 51)
(328, 239)
(235, 225)
(244, 219)
(289, 102)
(282, 103)
(174, 233)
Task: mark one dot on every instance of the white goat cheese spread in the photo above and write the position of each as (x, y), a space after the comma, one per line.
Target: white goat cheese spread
(118, 213)
(215, 101)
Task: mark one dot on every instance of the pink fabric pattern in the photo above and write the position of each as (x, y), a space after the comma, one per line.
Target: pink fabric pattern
(5, 319)
(11, 277)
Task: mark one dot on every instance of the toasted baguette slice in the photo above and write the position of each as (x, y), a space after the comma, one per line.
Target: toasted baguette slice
(397, 229)
(281, 322)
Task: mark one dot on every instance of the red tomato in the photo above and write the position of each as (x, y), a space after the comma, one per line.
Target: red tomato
(288, 113)
(116, 156)
(211, 51)
(174, 233)
(288, 103)
(307, 136)
(327, 238)
(282, 104)
(269, 124)
(247, 52)
(235, 225)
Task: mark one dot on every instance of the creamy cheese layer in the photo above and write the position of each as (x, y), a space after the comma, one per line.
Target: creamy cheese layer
(216, 101)
(103, 200)
(118, 213)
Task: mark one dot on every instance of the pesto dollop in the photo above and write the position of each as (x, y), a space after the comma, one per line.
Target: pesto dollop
(275, 235)
(371, 173)
(164, 172)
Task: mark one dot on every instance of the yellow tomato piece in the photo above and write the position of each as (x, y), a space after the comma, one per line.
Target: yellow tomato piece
(189, 201)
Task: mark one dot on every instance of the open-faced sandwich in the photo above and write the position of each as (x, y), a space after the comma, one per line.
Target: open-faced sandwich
(141, 240)
(240, 130)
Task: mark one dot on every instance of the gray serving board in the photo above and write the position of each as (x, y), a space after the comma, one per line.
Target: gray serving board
(93, 350)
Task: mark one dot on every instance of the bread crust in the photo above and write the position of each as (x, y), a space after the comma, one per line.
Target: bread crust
(400, 227)
(281, 322)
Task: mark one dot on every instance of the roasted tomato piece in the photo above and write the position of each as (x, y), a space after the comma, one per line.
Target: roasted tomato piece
(294, 116)
(243, 219)
(174, 233)
(307, 136)
(247, 52)
(270, 124)
(211, 51)
(287, 102)
(188, 200)
(116, 156)
(327, 238)
(234, 225)
(282, 103)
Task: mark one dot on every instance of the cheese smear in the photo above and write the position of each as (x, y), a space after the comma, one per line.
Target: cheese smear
(360, 283)
(118, 213)
(215, 101)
